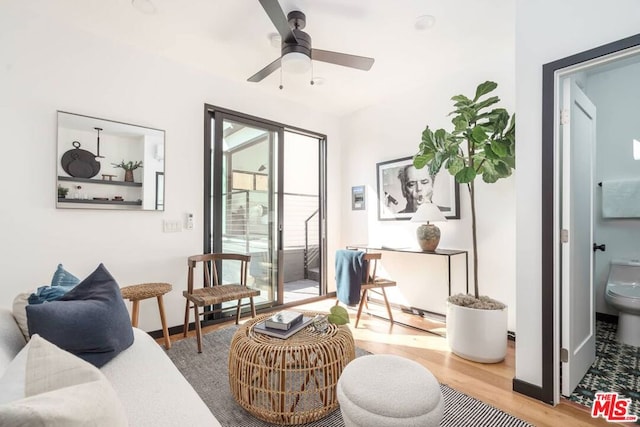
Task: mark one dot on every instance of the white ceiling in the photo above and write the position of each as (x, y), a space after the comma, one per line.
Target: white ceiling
(230, 38)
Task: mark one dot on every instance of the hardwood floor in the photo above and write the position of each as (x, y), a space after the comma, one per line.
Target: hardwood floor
(490, 383)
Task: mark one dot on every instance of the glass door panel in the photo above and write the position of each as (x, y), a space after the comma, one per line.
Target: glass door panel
(248, 206)
(264, 185)
(301, 254)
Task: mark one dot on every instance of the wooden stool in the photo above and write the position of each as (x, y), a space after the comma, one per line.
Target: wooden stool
(136, 293)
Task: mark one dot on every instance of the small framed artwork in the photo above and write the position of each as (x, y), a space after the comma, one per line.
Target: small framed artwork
(357, 198)
(402, 188)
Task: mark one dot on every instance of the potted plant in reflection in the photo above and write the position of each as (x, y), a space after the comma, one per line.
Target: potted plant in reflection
(481, 144)
(128, 167)
(62, 192)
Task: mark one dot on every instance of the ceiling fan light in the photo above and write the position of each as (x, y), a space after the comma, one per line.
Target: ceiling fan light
(296, 62)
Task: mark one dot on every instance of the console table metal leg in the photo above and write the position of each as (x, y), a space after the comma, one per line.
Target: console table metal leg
(449, 271)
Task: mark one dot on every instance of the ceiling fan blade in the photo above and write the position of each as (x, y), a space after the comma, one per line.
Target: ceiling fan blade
(280, 21)
(344, 59)
(265, 71)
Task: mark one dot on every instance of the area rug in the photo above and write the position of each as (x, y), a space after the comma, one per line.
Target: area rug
(208, 373)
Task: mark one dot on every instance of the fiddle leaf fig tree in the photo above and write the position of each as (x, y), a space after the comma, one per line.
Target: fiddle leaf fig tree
(482, 143)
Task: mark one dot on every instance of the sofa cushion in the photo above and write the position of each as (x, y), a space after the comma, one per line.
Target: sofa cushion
(11, 339)
(61, 283)
(151, 388)
(90, 321)
(20, 303)
(12, 380)
(62, 390)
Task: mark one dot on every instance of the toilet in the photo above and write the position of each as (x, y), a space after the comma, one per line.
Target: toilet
(623, 294)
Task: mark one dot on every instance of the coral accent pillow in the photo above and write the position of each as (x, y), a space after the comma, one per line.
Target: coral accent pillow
(90, 321)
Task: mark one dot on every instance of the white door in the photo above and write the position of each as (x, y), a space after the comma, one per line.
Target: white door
(578, 310)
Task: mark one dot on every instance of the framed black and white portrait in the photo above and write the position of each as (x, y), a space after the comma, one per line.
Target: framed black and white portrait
(402, 188)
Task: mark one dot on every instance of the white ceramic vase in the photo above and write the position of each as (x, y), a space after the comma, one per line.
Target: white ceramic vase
(477, 335)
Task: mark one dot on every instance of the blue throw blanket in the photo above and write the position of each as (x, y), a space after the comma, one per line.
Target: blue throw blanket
(349, 271)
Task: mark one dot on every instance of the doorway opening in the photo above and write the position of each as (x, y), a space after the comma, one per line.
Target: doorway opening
(603, 75)
(265, 197)
(301, 215)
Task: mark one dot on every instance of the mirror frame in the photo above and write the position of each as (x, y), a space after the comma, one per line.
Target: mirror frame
(90, 147)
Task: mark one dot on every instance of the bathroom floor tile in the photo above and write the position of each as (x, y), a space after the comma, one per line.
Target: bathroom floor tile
(616, 368)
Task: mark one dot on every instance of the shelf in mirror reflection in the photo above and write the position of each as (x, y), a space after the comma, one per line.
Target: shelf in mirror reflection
(99, 181)
(101, 202)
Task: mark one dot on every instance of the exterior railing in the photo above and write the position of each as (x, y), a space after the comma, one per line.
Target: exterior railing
(310, 254)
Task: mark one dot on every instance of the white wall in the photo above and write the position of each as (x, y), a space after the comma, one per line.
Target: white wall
(616, 94)
(393, 130)
(547, 30)
(46, 67)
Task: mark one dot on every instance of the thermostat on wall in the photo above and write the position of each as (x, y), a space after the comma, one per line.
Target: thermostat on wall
(357, 198)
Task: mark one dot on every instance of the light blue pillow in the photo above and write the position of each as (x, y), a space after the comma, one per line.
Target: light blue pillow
(61, 283)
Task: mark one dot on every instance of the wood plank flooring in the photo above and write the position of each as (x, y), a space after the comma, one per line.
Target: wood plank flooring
(490, 383)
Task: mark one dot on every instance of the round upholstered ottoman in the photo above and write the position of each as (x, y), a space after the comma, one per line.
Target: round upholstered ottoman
(388, 391)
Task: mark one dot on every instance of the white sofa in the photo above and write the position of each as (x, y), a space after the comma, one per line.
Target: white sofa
(150, 388)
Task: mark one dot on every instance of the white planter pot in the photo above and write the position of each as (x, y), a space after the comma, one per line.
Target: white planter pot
(478, 335)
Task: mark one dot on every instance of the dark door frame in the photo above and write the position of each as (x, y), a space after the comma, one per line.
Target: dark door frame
(546, 392)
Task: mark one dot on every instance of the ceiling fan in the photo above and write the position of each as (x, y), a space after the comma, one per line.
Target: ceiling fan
(296, 44)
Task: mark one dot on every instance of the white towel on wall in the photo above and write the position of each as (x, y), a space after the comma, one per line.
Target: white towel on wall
(621, 198)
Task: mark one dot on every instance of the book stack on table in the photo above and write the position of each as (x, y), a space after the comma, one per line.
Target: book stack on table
(283, 324)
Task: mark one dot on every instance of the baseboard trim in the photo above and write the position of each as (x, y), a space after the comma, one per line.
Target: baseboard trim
(531, 390)
(173, 330)
(605, 317)
(440, 317)
(431, 315)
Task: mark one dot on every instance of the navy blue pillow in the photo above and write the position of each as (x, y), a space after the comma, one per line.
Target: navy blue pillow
(90, 321)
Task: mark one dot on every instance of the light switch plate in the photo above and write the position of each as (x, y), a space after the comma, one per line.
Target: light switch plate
(170, 226)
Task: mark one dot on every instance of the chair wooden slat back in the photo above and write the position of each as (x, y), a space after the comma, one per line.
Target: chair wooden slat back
(213, 293)
(373, 283)
(210, 259)
(372, 265)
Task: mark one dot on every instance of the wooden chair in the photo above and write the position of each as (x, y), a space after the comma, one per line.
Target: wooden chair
(212, 293)
(374, 284)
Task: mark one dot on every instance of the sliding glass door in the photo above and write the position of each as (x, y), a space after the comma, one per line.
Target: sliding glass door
(263, 197)
(301, 238)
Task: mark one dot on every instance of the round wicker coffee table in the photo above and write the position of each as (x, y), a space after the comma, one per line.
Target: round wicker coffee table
(290, 381)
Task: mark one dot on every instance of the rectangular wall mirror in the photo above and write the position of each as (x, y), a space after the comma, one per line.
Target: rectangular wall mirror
(103, 164)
